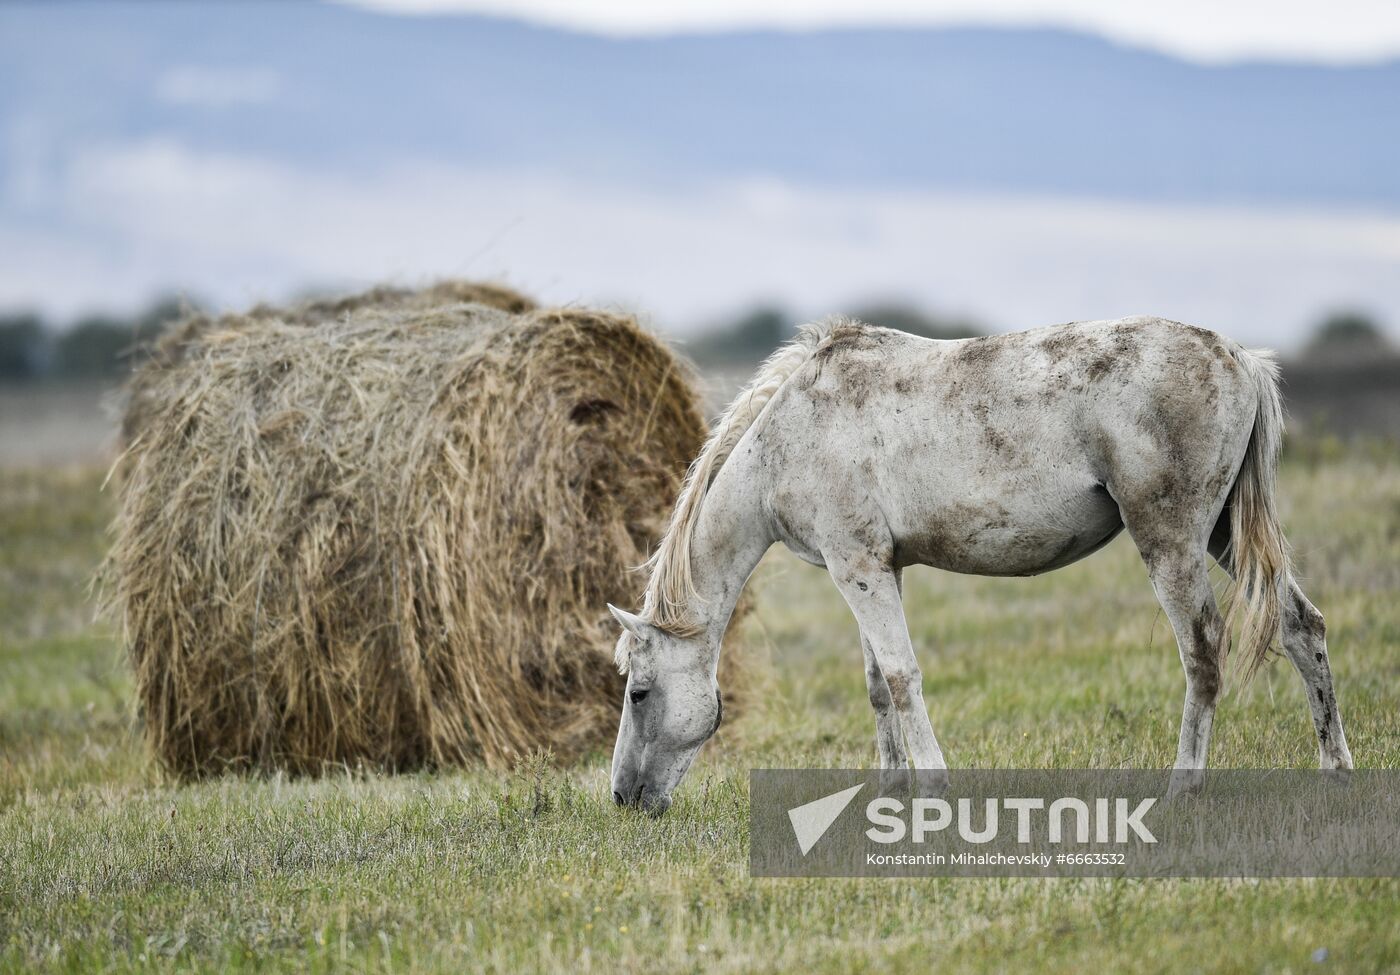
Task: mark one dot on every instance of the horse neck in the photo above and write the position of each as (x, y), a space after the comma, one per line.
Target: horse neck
(730, 538)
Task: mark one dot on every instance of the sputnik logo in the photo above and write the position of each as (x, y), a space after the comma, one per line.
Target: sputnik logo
(811, 820)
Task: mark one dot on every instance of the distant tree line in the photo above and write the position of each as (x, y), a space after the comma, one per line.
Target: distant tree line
(93, 347)
(103, 347)
(1348, 335)
(1345, 336)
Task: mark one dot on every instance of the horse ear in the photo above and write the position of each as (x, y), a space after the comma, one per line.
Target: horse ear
(634, 625)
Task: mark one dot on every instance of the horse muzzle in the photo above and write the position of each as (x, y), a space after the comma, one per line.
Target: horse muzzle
(634, 792)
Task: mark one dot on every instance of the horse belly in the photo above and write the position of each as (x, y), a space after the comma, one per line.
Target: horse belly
(1001, 538)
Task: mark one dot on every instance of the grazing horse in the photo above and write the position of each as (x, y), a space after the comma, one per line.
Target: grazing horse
(865, 450)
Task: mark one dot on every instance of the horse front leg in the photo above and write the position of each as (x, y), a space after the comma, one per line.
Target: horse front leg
(889, 741)
(871, 589)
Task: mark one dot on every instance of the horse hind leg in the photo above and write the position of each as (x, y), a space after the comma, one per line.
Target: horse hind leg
(1305, 642)
(1174, 550)
(1169, 504)
(1304, 639)
(1182, 583)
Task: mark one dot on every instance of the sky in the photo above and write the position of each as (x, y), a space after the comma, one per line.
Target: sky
(240, 153)
(1212, 31)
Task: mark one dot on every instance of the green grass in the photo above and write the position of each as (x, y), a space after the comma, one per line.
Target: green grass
(105, 865)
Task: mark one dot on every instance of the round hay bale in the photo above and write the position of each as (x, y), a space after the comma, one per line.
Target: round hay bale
(169, 349)
(387, 538)
(387, 298)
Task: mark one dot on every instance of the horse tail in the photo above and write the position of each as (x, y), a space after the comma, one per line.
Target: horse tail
(1258, 550)
(666, 603)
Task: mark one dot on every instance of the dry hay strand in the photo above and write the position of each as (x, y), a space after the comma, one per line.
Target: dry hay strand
(388, 539)
(387, 298)
(168, 351)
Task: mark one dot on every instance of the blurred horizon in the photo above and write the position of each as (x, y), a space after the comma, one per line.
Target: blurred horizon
(1008, 175)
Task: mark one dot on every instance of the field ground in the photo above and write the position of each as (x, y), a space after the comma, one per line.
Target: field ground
(106, 866)
(55, 423)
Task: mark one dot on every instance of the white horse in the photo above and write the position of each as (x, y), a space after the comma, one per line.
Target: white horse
(865, 450)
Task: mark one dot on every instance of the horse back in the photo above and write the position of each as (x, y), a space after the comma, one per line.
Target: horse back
(1007, 454)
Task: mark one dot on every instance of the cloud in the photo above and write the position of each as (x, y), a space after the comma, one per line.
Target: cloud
(1341, 31)
(136, 219)
(206, 86)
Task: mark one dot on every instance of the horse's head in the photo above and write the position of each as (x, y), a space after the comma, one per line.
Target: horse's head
(672, 707)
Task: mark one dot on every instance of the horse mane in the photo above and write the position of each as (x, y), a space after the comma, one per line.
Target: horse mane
(666, 603)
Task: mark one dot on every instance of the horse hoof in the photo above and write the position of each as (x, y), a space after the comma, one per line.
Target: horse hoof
(1186, 783)
(1339, 777)
(931, 783)
(895, 782)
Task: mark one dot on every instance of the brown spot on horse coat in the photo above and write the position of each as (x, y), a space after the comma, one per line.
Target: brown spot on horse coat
(1062, 341)
(994, 437)
(979, 351)
(1203, 657)
(899, 690)
(1308, 619)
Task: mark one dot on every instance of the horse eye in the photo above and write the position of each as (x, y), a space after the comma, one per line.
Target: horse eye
(638, 696)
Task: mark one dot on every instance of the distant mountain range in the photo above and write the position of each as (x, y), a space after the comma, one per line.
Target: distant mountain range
(345, 89)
